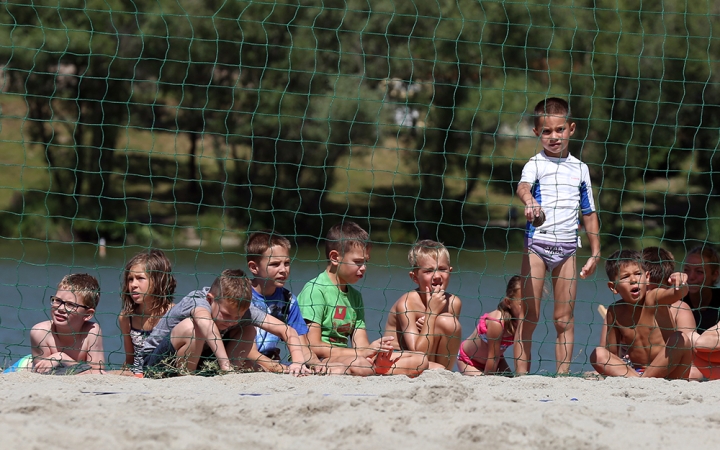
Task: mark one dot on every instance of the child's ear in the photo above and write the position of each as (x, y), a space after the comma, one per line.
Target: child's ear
(611, 285)
(571, 127)
(537, 132)
(334, 257)
(210, 298)
(89, 314)
(413, 276)
(252, 265)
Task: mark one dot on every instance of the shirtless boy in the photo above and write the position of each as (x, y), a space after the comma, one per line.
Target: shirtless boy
(642, 322)
(425, 320)
(70, 342)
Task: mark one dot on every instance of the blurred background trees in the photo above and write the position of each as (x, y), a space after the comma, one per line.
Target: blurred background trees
(276, 114)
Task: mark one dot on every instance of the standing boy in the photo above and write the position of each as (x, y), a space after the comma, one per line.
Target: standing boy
(335, 314)
(430, 305)
(220, 318)
(268, 257)
(641, 322)
(554, 187)
(70, 342)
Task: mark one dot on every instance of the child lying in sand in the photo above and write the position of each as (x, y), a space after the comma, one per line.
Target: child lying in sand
(70, 342)
(642, 321)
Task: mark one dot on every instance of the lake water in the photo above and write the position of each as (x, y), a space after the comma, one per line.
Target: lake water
(30, 271)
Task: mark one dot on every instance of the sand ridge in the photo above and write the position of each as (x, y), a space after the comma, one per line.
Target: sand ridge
(435, 410)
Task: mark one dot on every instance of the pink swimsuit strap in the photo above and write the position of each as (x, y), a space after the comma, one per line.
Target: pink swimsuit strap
(482, 329)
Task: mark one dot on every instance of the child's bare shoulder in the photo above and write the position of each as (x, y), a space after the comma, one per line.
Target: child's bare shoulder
(42, 326)
(409, 301)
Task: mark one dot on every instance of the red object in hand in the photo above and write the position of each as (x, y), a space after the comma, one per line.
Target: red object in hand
(383, 363)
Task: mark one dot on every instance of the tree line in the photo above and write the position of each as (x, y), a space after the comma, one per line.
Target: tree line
(304, 84)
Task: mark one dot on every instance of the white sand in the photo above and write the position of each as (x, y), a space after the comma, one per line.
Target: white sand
(436, 410)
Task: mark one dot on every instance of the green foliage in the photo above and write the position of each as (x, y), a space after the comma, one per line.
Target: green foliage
(275, 95)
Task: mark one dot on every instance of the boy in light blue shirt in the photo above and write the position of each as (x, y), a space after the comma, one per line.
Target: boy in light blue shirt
(268, 257)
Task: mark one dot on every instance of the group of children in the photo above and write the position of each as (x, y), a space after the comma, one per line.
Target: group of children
(238, 321)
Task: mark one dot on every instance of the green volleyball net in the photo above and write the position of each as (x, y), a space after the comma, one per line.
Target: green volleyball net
(183, 125)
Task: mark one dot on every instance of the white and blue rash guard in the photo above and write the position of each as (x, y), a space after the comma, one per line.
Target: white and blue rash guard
(562, 187)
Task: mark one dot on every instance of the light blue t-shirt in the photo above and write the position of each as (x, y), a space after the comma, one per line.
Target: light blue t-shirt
(277, 306)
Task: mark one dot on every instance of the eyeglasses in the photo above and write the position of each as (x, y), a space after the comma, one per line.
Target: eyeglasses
(57, 302)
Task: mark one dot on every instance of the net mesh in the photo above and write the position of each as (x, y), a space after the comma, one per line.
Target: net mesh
(184, 124)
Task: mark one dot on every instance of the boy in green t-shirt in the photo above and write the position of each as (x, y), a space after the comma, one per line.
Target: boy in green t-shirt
(335, 315)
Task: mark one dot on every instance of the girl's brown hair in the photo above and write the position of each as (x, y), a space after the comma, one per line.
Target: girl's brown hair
(509, 322)
(162, 283)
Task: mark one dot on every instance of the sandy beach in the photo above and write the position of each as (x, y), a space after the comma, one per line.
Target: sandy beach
(435, 410)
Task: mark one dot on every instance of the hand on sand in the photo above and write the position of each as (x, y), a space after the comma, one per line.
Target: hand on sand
(297, 369)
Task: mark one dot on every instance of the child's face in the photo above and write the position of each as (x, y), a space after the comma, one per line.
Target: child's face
(352, 264)
(431, 273)
(554, 133)
(699, 274)
(69, 310)
(273, 268)
(225, 314)
(631, 283)
(138, 284)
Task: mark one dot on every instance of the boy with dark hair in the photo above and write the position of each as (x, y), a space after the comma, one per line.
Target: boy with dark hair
(70, 342)
(216, 317)
(554, 187)
(335, 315)
(641, 321)
(268, 257)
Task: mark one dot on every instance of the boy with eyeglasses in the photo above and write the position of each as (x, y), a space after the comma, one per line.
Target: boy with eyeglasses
(70, 343)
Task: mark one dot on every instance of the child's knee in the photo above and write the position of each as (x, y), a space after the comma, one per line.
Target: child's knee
(678, 340)
(600, 354)
(564, 322)
(448, 325)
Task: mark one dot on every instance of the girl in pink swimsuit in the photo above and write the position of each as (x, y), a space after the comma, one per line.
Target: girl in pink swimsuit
(482, 352)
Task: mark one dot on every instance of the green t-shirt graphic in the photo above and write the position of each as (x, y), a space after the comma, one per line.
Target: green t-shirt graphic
(338, 313)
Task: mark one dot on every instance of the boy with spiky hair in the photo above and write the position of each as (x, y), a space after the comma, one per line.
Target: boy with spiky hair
(555, 187)
(70, 342)
(221, 320)
(335, 314)
(641, 322)
(425, 319)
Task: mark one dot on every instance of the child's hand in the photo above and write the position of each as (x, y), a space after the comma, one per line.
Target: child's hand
(437, 302)
(419, 323)
(382, 345)
(532, 210)
(46, 365)
(589, 267)
(678, 280)
(296, 369)
(384, 362)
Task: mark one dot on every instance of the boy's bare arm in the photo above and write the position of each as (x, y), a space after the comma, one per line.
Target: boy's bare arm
(592, 230)
(667, 296)
(208, 331)
(44, 359)
(95, 352)
(612, 340)
(532, 207)
(289, 335)
(323, 349)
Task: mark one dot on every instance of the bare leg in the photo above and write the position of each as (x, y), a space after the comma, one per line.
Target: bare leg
(467, 369)
(447, 341)
(187, 346)
(533, 270)
(674, 361)
(609, 364)
(408, 363)
(565, 290)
